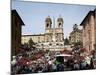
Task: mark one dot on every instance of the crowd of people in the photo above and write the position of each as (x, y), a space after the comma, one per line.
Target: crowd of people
(33, 60)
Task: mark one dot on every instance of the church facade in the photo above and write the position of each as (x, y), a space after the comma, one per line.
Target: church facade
(53, 37)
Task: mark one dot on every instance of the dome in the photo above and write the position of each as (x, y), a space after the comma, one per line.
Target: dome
(60, 19)
(48, 19)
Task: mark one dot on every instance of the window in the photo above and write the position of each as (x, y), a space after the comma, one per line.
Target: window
(59, 24)
(50, 44)
(47, 25)
(57, 44)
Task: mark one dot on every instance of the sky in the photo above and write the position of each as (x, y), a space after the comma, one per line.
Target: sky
(34, 14)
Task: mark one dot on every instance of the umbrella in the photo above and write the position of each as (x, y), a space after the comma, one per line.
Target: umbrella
(93, 52)
(23, 61)
(82, 49)
(64, 55)
(81, 58)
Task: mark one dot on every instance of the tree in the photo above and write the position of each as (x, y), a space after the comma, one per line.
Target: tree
(66, 41)
(31, 43)
(78, 44)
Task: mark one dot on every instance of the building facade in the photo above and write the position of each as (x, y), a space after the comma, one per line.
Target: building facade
(89, 31)
(39, 38)
(75, 35)
(16, 24)
(53, 37)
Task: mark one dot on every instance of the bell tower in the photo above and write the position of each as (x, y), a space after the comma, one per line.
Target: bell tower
(48, 22)
(48, 29)
(60, 35)
(60, 22)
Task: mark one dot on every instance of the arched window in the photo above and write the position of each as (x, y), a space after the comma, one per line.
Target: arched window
(47, 25)
(59, 24)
